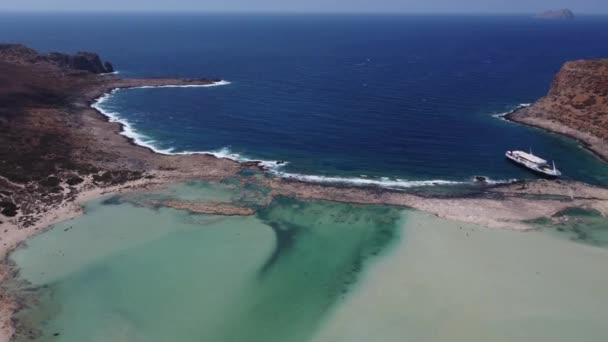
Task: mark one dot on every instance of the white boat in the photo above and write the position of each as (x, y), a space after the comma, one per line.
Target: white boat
(533, 163)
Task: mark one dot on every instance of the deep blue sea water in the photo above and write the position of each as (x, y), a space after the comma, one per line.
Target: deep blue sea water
(369, 97)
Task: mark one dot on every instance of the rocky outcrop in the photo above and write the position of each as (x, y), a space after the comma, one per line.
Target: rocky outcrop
(81, 61)
(557, 14)
(576, 105)
(51, 141)
(86, 61)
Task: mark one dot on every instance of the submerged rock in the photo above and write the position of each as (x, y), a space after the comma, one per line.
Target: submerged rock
(480, 179)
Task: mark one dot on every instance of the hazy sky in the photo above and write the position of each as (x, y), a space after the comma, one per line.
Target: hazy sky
(417, 6)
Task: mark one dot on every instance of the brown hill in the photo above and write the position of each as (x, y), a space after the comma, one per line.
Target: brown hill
(576, 105)
(81, 61)
(50, 138)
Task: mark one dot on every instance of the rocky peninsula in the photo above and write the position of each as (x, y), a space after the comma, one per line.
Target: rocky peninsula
(56, 152)
(576, 105)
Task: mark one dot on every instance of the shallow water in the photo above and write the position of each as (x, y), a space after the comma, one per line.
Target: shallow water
(581, 225)
(134, 273)
(448, 281)
(303, 271)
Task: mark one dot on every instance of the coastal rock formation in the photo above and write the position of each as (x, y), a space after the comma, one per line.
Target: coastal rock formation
(81, 61)
(557, 14)
(576, 105)
(50, 138)
(86, 61)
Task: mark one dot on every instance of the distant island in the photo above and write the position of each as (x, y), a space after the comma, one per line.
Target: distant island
(557, 14)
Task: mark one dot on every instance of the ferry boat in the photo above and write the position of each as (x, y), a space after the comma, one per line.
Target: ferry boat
(533, 163)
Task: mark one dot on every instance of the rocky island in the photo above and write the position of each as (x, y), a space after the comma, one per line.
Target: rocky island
(576, 105)
(56, 152)
(557, 14)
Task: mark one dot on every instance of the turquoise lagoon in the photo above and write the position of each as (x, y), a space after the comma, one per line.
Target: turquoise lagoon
(303, 271)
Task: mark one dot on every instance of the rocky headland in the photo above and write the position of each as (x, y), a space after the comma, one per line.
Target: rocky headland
(576, 105)
(56, 152)
(51, 141)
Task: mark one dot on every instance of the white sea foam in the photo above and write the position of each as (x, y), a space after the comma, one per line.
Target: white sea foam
(383, 182)
(130, 132)
(224, 152)
(115, 72)
(273, 166)
(518, 107)
(215, 84)
(127, 130)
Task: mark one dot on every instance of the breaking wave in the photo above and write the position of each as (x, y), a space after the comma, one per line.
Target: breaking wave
(130, 132)
(275, 167)
(518, 107)
(383, 182)
(214, 84)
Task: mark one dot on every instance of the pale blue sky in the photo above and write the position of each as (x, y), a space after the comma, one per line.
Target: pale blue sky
(406, 6)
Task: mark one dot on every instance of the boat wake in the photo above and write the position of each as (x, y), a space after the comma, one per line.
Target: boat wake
(276, 167)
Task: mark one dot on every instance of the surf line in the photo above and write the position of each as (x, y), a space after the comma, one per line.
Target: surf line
(272, 167)
(518, 107)
(127, 129)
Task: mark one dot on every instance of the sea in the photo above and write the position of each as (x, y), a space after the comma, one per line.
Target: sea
(388, 100)
(393, 101)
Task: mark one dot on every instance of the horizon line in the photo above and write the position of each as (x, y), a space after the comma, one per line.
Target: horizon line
(277, 12)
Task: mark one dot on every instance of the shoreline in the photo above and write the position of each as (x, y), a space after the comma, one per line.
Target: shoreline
(274, 166)
(116, 164)
(585, 140)
(575, 106)
(95, 101)
(13, 237)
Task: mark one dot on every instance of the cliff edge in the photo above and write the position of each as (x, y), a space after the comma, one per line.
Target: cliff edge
(576, 105)
(51, 140)
(81, 61)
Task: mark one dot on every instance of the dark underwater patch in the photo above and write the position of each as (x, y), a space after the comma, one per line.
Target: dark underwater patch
(355, 232)
(114, 200)
(581, 225)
